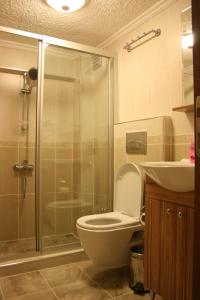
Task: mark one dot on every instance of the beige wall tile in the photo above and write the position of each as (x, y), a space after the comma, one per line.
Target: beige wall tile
(30, 175)
(64, 152)
(9, 154)
(27, 216)
(9, 217)
(9, 177)
(102, 203)
(155, 153)
(10, 101)
(76, 176)
(30, 182)
(101, 171)
(64, 175)
(119, 158)
(159, 141)
(87, 204)
(48, 213)
(181, 151)
(48, 176)
(47, 152)
(64, 213)
(64, 220)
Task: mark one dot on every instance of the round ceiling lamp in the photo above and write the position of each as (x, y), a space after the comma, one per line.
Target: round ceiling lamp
(66, 5)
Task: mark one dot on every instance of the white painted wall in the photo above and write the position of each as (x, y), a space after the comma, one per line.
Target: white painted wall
(150, 77)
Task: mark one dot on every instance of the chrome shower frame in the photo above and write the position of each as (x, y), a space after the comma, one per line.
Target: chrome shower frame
(44, 40)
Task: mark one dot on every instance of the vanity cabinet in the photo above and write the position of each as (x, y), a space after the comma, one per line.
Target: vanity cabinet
(169, 234)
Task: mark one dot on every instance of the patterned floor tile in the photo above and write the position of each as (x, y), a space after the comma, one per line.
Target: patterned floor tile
(10, 248)
(63, 275)
(81, 291)
(44, 295)
(22, 284)
(115, 281)
(133, 296)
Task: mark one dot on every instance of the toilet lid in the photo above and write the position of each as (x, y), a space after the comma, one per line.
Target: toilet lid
(128, 191)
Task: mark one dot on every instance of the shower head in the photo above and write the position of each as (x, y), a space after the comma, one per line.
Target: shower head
(33, 74)
(30, 78)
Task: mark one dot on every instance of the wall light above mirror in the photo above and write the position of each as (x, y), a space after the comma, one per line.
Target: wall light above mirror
(187, 40)
(187, 56)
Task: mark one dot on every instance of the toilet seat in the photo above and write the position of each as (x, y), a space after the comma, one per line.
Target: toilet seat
(106, 237)
(106, 221)
(128, 190)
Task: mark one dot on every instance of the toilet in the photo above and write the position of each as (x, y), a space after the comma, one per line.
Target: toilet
(105, 237)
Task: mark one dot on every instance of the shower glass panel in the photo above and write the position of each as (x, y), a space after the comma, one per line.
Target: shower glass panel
(76, 144)
(17, 146)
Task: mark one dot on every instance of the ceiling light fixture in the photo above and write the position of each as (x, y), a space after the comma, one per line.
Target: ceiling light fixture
(66, 5)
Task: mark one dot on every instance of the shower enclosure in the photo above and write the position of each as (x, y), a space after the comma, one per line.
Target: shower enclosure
(56, 141)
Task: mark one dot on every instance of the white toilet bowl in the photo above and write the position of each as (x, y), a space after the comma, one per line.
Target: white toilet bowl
(106, 237)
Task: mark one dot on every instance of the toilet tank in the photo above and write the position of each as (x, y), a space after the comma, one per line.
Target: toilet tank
(128, 190)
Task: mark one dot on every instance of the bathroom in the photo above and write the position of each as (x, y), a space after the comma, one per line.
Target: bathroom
(81, 103)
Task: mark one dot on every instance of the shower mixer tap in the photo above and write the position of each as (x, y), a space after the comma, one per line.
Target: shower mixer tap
(24, 166)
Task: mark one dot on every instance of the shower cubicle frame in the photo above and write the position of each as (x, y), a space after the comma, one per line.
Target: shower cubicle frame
(47, 40)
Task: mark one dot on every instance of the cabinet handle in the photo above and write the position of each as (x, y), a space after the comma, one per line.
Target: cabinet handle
(180, 214)
(169, 211)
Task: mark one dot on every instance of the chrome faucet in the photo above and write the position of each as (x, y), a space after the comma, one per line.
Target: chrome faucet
(24, 166)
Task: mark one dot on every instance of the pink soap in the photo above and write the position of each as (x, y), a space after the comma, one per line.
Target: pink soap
(191, 153)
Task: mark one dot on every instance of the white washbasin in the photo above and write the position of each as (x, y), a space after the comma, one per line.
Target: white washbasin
(174, 176)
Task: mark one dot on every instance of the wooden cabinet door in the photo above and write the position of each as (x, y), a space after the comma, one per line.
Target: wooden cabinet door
(184, 253)
(168, 260)
(180, 262)
(189, 295)
(168, 251)
(152, 255)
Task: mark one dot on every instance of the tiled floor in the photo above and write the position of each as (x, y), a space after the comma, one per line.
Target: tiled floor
(9, 249)
(77, 281)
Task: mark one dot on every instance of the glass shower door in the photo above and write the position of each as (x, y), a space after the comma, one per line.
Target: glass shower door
(76, 143)
(17, 146)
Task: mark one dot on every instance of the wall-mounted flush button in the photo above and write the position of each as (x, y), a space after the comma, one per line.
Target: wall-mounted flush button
(136, 142)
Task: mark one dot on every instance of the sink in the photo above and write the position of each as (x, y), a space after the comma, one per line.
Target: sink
(174, 176)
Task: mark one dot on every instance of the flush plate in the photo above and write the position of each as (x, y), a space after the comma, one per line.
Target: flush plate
(136, 142)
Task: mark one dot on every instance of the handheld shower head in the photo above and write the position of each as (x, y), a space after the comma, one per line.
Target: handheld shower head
(33, 74)
(30, 78)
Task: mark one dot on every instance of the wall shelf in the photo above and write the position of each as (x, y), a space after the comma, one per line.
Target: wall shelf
(184, 108)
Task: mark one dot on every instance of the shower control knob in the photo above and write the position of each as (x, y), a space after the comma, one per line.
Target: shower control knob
(29, 167)
(18, 167)
(23, 167)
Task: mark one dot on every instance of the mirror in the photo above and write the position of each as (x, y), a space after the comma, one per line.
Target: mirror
(187, 56)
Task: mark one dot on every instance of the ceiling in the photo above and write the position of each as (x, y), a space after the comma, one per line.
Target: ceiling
(91, 25)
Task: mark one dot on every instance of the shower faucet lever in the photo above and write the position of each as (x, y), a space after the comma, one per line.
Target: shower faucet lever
(25, 166)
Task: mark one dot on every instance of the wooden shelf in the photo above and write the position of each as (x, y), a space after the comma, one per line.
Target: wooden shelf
(184, 108)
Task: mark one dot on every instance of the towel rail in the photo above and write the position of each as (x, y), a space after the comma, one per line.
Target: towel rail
(155, 32)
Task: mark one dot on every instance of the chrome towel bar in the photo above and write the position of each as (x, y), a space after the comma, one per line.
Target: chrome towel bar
(155, 32)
